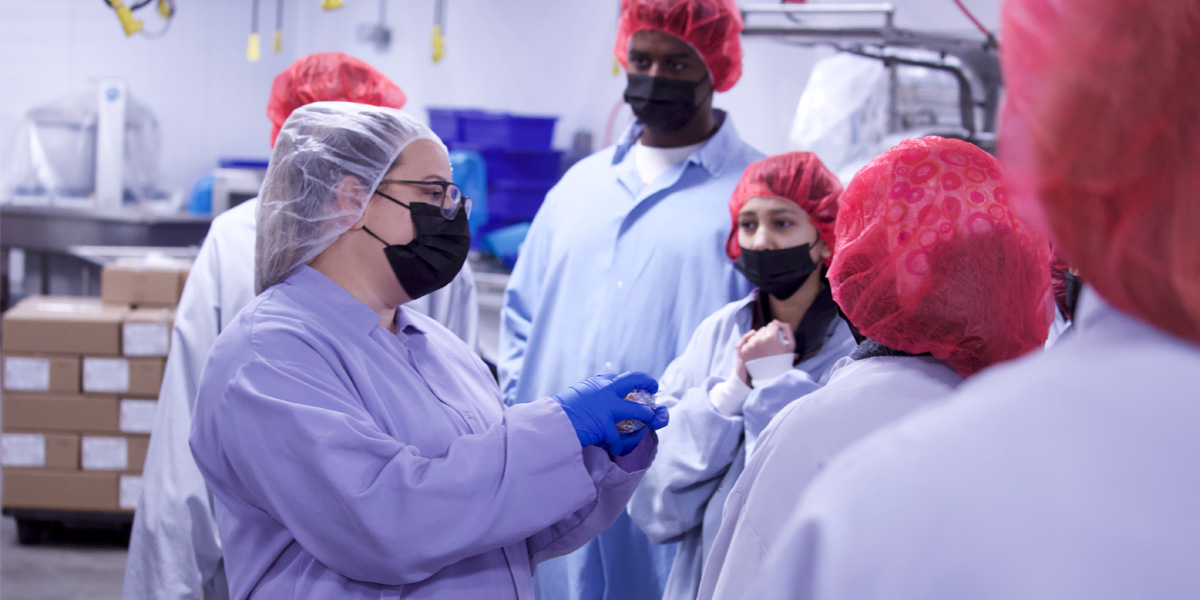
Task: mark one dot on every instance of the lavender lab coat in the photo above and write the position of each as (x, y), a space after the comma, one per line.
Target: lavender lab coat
(348, 462)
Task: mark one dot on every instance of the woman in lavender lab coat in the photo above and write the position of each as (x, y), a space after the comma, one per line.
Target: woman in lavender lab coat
(358, 449)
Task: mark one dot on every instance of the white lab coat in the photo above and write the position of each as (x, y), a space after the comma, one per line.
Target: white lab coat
(861, 396)
(1070, 474)
(703, 452)
(174, 550)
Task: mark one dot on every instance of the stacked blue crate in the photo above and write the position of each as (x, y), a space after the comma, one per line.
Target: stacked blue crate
(521, 165)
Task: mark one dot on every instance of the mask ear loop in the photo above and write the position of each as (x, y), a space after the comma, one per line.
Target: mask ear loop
(372, 234)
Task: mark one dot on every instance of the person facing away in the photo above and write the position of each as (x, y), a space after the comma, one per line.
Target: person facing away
(747, 360)
(624, 259)
(940, 278)
(1070, 473)
(357, 448)
(174, 547)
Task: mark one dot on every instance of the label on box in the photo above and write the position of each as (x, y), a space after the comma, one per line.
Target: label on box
(146, 339)
(105, 375)
(22, 374)
(137, 416)
(131, 490)
(68, 307)
(105, 454)
(23, 450)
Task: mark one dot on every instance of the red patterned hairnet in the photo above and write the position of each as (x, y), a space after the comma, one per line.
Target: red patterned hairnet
(711, 27)
(328, 77)
(930, 258)
(800, 177)
(1102, 116)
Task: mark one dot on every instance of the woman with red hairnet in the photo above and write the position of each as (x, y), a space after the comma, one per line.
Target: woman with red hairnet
(174, 549)
(747, 360)
(624, 257)
(940, 279)
(1071, 473)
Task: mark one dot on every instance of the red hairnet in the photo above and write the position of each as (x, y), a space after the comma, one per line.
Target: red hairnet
(328, 76)
(1103, 117)
(800, 177)
(710, 27)
(930, 258)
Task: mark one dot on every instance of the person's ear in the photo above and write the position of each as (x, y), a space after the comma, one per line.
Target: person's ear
(348, 193)
(823, 251)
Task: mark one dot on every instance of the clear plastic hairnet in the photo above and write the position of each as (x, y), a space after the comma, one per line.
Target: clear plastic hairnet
(797, 176)
(329, 77)
(711, 27)
(1102, 117)
(930, 258)
(324, 148)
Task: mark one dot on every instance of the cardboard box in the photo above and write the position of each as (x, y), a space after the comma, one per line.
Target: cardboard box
(114, 375)
(137, 416)
(42, 373)
(143, 283)
(53, 325)
(125, 453)
(62, 490)
(147, 332)
(58, 412)
(39, 450)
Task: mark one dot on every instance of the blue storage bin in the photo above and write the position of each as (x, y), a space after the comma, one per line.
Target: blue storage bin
(521, 164)
(447, 122)
(516, 199)
(496, 130)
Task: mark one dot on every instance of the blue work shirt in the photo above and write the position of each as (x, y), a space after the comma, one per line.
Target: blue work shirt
(616, 276)
(351, 462)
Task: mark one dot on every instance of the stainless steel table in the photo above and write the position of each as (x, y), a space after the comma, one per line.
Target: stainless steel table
(46, 236)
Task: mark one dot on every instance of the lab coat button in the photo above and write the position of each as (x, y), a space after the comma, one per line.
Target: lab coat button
(620, 285)
(608, 367)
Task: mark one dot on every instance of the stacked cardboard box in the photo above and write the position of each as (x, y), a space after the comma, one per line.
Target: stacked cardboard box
(81, 379)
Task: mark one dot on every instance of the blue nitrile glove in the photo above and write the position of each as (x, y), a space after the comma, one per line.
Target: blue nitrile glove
(597, 404)
(631, 440)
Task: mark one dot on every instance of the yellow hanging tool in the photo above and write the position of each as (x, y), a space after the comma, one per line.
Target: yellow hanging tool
(165, 9)
(439, 44)
(130, 24)
(331, 4)
(253, 51)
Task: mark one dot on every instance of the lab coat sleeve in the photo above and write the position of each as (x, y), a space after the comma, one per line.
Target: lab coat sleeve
(521, 298)
(174, 549)
(615, 480)
(695, 451)
(300, 447)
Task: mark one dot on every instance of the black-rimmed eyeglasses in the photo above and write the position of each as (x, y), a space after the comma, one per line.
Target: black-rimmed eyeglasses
(448, 195)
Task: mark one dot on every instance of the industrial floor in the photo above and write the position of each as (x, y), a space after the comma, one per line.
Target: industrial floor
(67, 565)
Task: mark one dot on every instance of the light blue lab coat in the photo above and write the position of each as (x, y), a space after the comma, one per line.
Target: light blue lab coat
(615, 276)
(683, 494)
(1068, 474)
(351, 462)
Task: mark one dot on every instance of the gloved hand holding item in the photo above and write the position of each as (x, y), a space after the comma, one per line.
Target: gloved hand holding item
(595, 406)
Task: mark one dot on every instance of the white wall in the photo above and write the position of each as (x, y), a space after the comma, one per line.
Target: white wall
(530, 56)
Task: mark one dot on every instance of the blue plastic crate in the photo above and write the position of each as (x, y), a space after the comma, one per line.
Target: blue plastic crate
(447, 122)
(521, 164)
(497, 130)
(516, 199)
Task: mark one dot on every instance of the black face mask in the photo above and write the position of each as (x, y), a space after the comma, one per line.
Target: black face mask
(777, 272)
(662, 104)
(435, 256)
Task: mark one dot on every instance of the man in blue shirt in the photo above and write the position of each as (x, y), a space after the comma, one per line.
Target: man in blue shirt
(626, 256)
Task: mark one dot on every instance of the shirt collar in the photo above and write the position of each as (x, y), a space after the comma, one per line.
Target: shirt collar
(713, 156)
(335, 301)
(405, 325)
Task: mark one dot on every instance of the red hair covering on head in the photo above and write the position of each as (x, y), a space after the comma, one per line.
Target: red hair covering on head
(930, 258)
(325, 77)
(711, 27)
(800, 177)
(1100, 118)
